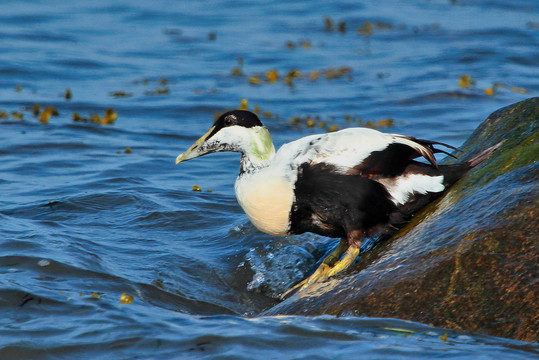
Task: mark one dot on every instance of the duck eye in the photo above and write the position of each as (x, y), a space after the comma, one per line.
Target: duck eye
(229, 120)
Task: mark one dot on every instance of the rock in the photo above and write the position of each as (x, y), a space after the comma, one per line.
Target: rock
(467, 261)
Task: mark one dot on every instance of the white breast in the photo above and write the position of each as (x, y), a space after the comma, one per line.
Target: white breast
(267, 200)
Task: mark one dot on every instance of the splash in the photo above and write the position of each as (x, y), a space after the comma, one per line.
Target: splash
(277, 270)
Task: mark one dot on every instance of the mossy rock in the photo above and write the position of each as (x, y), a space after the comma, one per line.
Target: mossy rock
(467, 261)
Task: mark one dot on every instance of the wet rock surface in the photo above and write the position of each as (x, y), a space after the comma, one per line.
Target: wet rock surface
(467, 261)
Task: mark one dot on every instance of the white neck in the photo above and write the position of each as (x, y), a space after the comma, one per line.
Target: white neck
(249, 165)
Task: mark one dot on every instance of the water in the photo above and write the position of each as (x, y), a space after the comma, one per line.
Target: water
(91, 211)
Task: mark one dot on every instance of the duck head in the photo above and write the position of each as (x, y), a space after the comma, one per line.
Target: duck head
(238, 131)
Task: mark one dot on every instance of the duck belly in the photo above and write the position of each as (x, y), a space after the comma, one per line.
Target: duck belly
(267, 200)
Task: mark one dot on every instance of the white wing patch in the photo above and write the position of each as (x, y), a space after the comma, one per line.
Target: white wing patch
(402, 187)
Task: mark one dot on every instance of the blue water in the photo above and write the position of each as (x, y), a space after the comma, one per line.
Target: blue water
(91, 211)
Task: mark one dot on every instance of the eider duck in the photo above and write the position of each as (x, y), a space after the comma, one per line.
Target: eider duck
(349, 184)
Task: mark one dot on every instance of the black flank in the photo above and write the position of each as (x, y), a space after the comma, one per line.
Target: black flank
(331, 204)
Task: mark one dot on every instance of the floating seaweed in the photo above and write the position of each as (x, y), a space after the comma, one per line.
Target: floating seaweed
(305, 44)
(313, 75)
(244, 104)
(466, 81)
(519, 90)
(384, 25)
(47, 113)
(120, 94)
(291, 75)
(365, 29)
(272, 75)
(254, 80)
(95, 118)
(369, 27)
(333, 128)
(126, 299)
(109, 117)
(380, 124)
(36, 110)
(329, 25)
(162, 88)
(158, 91)
(497, 85)
(309, 121)
(78, 118)
(238, 70)
(335, 73)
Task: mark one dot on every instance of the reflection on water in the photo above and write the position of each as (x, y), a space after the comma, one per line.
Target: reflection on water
(92, 206)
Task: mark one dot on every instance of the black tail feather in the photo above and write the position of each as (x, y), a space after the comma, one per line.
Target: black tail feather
(430, 144)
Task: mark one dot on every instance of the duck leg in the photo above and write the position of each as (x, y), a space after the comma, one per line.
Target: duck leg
(331, 265)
